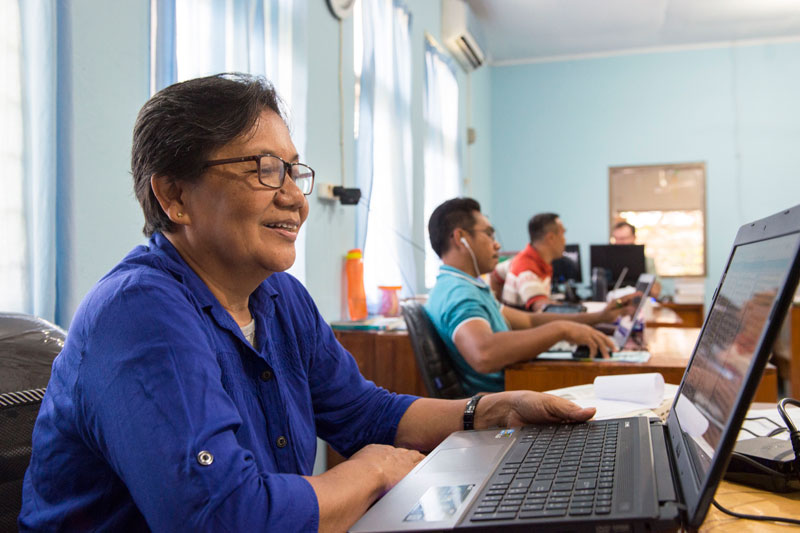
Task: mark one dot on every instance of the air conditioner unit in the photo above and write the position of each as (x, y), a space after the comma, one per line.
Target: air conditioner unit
(462, 34)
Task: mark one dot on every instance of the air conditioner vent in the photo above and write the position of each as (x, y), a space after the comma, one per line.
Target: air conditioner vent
(462, 34)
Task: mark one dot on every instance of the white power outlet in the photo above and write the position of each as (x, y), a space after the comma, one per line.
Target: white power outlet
(325, 191)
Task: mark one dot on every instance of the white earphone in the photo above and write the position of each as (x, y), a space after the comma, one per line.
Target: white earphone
(474, 261)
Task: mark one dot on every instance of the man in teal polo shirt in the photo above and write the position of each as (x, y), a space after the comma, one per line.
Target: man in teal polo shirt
(483, 336)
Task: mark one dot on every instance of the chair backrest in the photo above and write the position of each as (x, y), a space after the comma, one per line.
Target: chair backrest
(28, 346)
(433, 360)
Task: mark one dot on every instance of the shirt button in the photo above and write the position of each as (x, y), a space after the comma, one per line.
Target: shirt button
(266, 375)
(281, 442)
(205, 458)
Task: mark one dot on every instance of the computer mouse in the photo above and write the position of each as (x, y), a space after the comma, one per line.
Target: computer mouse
(582, 352)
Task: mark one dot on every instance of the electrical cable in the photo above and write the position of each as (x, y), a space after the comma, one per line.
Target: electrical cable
(341, 100)
(795, 437)
(794, 434)
(764, 518)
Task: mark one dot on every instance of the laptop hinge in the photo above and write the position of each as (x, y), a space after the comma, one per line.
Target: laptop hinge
(666, 486)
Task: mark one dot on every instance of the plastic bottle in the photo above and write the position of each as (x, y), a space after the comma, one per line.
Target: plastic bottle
(390, 305)
(599, 284)
(356, 298)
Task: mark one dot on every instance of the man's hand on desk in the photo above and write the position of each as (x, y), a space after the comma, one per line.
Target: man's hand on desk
(598, 342)
(625, 305)
(518, 408)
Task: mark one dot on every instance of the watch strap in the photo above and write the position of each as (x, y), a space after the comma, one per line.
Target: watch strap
(469, 411)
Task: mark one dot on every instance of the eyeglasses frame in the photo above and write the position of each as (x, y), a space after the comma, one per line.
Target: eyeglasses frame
(287, 168)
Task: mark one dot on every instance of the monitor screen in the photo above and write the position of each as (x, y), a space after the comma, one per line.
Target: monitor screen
(568, 266)
(725, 351)
(615, 258)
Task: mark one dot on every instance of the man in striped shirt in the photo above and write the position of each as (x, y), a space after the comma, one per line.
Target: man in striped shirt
(526, 278)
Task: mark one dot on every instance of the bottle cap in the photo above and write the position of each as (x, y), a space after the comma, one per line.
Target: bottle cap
(355, 253)
(390, 287)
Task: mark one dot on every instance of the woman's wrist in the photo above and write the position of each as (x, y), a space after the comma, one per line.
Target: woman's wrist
(489, 412)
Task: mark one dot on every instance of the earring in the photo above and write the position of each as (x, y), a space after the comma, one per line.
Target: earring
(179, 214)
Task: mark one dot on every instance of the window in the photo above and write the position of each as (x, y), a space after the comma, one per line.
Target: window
(193, 38)
(666, 205)
(13, 238)
(442, 155)
(384, 160)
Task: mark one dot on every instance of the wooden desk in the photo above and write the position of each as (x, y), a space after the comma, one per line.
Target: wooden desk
(677, 315)
(794, 361)
(386, 358)
(748, 500)
(670, 349)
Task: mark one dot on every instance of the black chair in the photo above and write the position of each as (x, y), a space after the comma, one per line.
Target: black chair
(438, 372)
(28, 346)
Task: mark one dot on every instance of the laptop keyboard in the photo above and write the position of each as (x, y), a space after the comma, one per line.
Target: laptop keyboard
(553, 471)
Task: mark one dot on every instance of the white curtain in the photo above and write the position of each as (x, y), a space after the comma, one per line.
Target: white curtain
(383, 149)
(194, 38)
(28, 268)
(442, 144)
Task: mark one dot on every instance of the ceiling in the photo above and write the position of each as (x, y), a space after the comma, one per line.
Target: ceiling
(519, 31)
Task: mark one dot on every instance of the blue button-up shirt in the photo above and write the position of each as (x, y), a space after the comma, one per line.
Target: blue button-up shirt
(159, 414)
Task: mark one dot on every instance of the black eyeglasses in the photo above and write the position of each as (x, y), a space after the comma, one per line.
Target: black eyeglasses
(272, 170)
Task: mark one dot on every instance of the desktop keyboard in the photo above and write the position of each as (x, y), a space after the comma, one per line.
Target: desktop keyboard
(553, 471)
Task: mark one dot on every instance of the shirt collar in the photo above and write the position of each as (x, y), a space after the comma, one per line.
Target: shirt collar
(545, 267)
(447, 270)
(173, 261)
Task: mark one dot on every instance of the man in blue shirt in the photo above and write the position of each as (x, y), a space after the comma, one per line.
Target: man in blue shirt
(196, 375)
(483, 336)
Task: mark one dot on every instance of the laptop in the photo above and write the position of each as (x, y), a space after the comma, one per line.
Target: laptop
(562, 350)
(627, 474)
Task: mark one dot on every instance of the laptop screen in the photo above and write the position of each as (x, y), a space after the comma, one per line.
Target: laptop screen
(729, 341)
(626, 323)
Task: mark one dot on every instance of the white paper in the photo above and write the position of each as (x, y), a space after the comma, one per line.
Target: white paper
(646, 390)
(584, 396)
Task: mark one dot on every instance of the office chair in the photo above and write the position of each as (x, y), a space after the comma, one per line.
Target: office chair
(438, 372)
(28, 346)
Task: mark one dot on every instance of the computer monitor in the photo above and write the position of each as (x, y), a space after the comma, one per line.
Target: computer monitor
(616, 257)
(568, 266)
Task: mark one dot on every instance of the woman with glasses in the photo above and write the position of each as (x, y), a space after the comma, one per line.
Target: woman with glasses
(197, 375)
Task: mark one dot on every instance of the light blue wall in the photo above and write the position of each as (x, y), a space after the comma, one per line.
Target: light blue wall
(557, 127)
(108, 48)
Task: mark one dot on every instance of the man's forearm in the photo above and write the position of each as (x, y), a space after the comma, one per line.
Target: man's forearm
(539, 319)
(508, 347)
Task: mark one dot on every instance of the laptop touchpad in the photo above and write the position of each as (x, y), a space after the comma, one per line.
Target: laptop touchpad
(461, 459)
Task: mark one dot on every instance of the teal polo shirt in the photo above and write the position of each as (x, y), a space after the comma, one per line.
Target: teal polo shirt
(457, 298)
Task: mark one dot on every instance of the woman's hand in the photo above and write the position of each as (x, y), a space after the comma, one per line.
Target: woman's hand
(390, 464)
(519, 408)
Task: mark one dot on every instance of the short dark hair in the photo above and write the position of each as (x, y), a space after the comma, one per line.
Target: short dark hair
(180, 126)
(625, 224)
(540, 225)
(452, 214)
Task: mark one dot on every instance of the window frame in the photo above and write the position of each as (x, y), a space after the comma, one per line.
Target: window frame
(701, 205)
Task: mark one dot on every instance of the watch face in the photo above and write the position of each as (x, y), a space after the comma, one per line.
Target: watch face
(341, 8)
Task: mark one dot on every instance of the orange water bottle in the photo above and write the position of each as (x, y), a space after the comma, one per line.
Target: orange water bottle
(356, 298)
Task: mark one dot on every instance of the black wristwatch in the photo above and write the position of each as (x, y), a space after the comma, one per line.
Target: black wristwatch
(469, 411)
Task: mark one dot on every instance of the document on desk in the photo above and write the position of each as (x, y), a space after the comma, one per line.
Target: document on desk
(623, 356)
(763, 422)
(584, 396)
